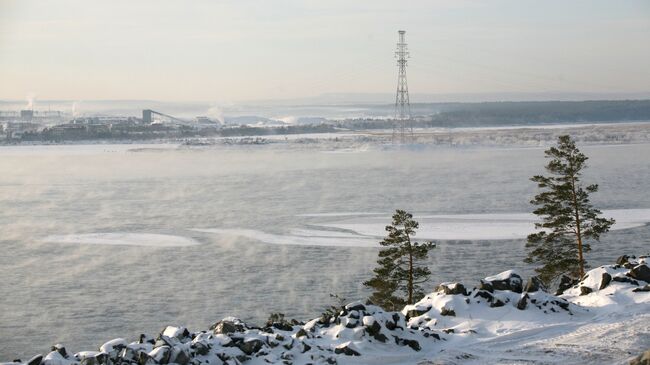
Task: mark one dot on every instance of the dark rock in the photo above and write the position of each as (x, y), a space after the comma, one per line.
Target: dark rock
(282, 326)
(60, 349)
(625, 279)
(497, 303)
(448, 330)
(416, 312)
(355, 307)
(523, 302)
(604, 281)
(352, 323)
(161, 356)
(145, 359)
(305, 347)
(242, 358)
(534, 284)
(36, 360)
(390, 325)
(346, 350)
(452, 289)
(643, 359)
(447, 312)
(380, 337)
(179, 356)
(640, 272)
(584, 290)
(301, 332)
(226, 327)
(565, 283)
(374, 328)
(645, 288)
(621, 260)
(486, 285)
(484, 294)
(411, 343)
(251, 346)
(200, 348)
(512, 283)
(562, 304)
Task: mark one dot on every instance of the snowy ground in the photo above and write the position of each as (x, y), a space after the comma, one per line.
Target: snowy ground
(602, 319)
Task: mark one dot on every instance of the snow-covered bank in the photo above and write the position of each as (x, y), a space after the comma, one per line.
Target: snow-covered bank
(603, 319)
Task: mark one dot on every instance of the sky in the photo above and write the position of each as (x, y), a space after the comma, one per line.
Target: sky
(237, 50)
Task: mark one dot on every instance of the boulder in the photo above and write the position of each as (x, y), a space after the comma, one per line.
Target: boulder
(113, 347)
(410, 343)
(60, 349)
(251, 346)
(534, 284)
(622, 260)
(643, 359)
(487, 286)
(447, 312)
(565, 283)
(36, 360)
(416, 312)
(640, 272)
(510, 281)
(584, 290)
(485, 295)
(374, 328)
(226, 327)
(523, 302)
(179, 356)
(604, 281)
(160, 354)
(452, 289)
(346, 349)
(644, 289)
(355, 306)
(625, 279)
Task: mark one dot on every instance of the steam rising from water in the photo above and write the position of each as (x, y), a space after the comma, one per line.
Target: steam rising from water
(81, 294)
(128, 239)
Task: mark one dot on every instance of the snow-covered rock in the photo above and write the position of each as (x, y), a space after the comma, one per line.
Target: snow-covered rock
(501, 320)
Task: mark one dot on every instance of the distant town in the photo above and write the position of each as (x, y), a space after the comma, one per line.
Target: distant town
(34, 125)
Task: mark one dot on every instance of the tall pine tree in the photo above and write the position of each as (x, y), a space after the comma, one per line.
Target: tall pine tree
(400, 272)
(568, 219)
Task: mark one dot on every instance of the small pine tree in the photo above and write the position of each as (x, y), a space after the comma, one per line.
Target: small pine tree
(568, 217)
(399, 275)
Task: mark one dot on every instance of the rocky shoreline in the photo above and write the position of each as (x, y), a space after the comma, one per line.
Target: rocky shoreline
(449, 326)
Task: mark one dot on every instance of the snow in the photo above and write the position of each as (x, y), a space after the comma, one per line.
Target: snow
(123, 239)
(605, 326)
(503, 276)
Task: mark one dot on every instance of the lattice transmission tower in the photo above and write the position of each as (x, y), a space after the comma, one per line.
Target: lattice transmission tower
(403, 126)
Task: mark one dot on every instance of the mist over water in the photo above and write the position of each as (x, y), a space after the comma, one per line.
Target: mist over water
(82, 293)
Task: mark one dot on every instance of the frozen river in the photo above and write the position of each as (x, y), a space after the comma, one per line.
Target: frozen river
(101, 242)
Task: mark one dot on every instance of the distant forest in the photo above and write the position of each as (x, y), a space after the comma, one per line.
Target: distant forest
(488, 114)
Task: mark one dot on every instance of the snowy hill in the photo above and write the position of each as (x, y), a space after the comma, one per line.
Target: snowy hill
(603, 319)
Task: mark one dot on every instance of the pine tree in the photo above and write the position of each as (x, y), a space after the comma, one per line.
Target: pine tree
(400, 272)
(568, 218)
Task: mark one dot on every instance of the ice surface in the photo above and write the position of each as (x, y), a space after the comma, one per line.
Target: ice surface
(340, 241)
(479, 226)
(367, 229)
(126, 239)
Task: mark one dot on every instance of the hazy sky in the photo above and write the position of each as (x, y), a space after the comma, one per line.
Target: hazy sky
(226, 50)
